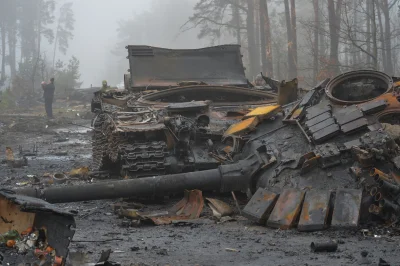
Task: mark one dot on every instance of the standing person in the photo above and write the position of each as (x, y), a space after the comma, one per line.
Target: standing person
(48, 98)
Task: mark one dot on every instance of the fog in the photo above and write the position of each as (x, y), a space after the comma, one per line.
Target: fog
(96, 35)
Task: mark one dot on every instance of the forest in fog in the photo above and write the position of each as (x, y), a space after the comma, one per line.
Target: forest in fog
(307, 39)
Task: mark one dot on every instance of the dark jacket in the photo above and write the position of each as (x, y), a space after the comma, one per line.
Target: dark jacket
(49, 91)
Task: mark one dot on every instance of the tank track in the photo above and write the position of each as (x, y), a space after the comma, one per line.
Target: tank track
(143, 159)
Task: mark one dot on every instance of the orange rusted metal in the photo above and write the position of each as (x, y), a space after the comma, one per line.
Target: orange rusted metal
(393, 104)
(377, 172)
(287, 209)
(315, 211)
(188, 208)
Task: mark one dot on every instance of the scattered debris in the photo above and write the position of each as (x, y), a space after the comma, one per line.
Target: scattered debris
(219, 208)
(79, 172)
(330, 246)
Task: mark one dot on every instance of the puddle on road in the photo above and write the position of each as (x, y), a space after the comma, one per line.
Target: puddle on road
(73, 130)
(60, 158)
(71, 142)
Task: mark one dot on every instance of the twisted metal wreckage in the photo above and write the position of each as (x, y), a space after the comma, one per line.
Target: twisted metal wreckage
(189, 119)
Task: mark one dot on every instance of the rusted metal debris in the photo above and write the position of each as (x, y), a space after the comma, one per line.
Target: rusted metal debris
(188, 208)
(287, 209)
(315, 211)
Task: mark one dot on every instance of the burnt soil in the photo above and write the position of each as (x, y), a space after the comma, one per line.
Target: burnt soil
(62, 147)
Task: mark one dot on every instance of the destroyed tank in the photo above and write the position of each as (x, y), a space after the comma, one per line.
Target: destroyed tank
(328, 158)
(173, 113)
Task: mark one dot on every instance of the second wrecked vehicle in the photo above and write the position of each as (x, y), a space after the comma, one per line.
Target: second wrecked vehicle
(174, 111)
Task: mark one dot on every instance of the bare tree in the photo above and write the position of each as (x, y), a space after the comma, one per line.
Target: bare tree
(290, 15)
(334, 13)
(385, 8)
(316, 40)
(251, 38)
(266, 42)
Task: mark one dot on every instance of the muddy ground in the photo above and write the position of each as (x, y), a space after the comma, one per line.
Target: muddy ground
(63, 146)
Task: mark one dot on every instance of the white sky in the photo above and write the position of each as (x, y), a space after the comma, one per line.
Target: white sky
(95, 33)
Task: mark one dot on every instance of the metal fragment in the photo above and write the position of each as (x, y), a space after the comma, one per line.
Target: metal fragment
(354, 126)
(373, 107)
(347, 117)
(346, 210)
(315, 211)
(326, 133)
(315, 111)
(330, 246)
(287, 209)
(260, 205)
(318, 119)
(321, 125)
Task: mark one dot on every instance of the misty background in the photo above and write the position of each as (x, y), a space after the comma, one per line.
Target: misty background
(82, 42)
(101, 48)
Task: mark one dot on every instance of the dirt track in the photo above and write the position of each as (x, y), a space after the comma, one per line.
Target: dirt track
(199, 242)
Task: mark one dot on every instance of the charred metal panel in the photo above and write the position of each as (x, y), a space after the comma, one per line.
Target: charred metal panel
(315, 111)
(346, 210)
(287, 209)
(153, 67)
(318, 119)
(326, 133)
(373, 107)
(354, 126)
(315, 211)
(350, 144)
(321, 125)
(308, 98)
(260, 205)
(347, 117)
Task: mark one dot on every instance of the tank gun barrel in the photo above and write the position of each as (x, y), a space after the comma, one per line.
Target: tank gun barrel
(225, 178)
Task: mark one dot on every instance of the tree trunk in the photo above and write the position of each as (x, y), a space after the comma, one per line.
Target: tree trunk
(236, 18)
(289, 32)
(388, 37)
(293, 22)
(39, 39)
(251, 39)
(263, 44)
(278, 62)
(322, 50)
(257, 33)
(374, 38)
(334, 15)
(268, 37)
(12, 38)
(316, 39)
(55, 46)
(12, 42)
(3, 52)
(354, 49)
(382, 40)
(368, 38)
